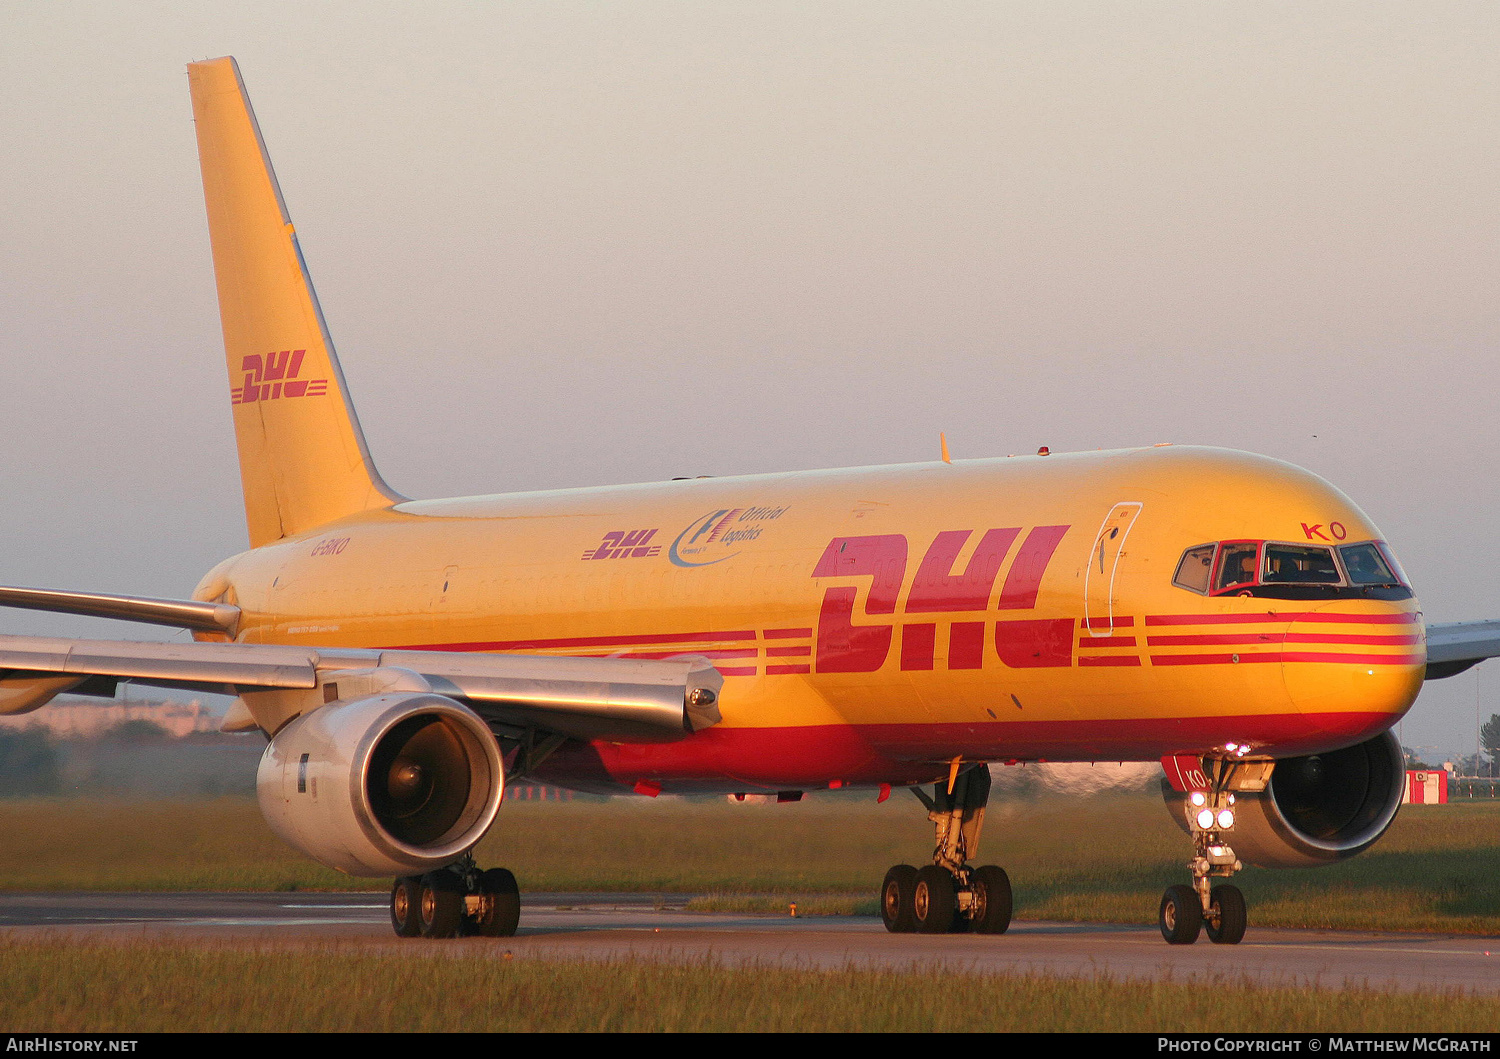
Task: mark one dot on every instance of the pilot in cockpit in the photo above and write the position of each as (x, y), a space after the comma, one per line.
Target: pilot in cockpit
(1363, 567)
(1239, 568)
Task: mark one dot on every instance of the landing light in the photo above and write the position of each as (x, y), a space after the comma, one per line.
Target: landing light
(1198, 798)
(1226, 819)
(1206, 819)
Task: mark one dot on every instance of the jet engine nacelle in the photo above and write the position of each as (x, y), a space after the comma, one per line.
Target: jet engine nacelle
(393, 784)
(1317, 809)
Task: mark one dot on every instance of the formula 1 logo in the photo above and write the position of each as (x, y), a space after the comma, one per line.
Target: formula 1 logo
(275, 376)
(713, 538)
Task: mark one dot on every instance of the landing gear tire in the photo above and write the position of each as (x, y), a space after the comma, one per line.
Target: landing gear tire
(934, 900)
(500, 907)
(1226, 917)
(1181, 915)
(406, 897)
(440, 910)
(897, 908)
(991, 901)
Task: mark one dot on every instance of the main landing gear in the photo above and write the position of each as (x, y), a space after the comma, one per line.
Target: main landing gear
(456, 901)
(950, 896)
(1219, 910)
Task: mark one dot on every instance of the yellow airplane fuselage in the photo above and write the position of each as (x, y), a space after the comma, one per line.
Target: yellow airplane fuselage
(873, 624)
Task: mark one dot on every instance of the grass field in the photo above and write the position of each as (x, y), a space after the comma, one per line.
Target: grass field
(71, 987)
(1104, 858)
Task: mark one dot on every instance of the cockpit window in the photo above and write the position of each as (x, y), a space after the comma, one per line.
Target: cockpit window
(1367, 566)
(1237, 565)
(1296, 564)
(1282, 570)
(1194, 569)
(1394, 563)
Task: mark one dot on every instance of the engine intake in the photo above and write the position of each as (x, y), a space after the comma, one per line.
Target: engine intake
(393, 784)
(1317, 809)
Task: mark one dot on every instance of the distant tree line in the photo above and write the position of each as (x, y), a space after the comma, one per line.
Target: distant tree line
(29, 763)
(134, 757)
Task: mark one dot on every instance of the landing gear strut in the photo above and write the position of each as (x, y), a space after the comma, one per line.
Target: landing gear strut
(950, 895)
(455, 901)
(1218, 910)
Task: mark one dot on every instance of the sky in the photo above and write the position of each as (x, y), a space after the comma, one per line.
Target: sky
(571, 244)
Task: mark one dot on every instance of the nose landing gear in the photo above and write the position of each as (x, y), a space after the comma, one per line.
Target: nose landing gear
(950, 895)
(1218, 910)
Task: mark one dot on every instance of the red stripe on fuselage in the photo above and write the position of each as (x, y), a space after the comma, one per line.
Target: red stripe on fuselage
(1207, 639)
(583, 641)
(1363, 660)
(1106, 641)
(1286, 656)
(729, 652)
(1270, 617)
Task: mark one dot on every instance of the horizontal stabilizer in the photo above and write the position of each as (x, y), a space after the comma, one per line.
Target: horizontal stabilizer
(178, 613)
(1453, 647)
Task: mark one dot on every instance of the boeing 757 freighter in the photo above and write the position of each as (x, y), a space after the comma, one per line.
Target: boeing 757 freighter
(1233, 617)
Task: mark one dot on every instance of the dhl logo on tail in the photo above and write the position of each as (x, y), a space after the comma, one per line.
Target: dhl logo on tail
(275, 376)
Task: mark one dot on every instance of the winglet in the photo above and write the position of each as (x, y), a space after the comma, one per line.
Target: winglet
(303, 459)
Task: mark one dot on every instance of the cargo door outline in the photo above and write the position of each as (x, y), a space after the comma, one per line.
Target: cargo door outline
(1103, 565)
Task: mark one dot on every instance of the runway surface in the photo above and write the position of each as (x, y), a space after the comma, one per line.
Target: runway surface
(656, 926)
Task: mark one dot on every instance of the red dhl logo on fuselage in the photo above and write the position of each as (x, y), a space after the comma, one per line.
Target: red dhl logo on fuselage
(274, 376)
(844, 647)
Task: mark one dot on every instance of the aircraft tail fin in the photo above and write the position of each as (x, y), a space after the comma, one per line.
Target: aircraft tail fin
(303, 459)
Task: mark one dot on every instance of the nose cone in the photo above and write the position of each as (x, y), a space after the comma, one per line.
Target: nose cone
(1353, 667)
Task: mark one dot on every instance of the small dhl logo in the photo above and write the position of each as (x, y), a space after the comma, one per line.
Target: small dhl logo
(620, 544)
(274, 376)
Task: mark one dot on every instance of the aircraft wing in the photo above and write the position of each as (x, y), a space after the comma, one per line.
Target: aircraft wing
(1453, 647)
(623, 699)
